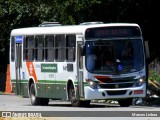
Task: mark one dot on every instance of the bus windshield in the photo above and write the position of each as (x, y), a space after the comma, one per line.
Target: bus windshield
(117, 56)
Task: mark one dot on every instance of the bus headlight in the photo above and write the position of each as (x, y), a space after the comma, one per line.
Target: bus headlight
(92, 84)
(139, 82)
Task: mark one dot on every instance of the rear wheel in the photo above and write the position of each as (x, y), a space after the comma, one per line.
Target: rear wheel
(44, 101)
(125, 102)
(32, 94)
(36, 100)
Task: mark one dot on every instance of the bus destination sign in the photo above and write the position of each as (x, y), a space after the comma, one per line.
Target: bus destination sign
(112, 32)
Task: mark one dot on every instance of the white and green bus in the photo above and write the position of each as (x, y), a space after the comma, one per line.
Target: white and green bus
(80, 63)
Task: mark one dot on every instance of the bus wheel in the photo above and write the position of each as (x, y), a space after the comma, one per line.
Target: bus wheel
(32, 93)
(125, 102)
(86, 103)
(44, 101)
(72, 98)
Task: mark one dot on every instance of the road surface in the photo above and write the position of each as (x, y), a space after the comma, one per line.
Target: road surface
(19, 107)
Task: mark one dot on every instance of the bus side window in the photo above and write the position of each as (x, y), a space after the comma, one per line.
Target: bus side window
(49, 48)
(70, 47)
(39, 48)
(60, 48)
(30, 48)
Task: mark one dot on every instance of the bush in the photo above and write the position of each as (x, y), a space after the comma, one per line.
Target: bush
(154, 75)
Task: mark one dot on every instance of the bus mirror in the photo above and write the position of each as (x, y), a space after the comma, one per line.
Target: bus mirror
(82, 50)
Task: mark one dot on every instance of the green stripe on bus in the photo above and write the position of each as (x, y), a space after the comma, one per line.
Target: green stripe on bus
(20, 81)
(47, 82)
(50, 81)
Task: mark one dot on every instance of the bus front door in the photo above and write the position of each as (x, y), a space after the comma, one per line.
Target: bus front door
(18, 66)
(80, 71)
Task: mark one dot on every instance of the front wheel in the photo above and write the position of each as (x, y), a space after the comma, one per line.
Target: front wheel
(74, 101)
(86, 103)
(125, 102)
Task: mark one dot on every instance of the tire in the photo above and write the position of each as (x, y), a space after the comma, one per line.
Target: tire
(86, 103)
(125, 102)
(72, 98)
(134, 102)
(35, 100)
(32, 93)
(44, 101)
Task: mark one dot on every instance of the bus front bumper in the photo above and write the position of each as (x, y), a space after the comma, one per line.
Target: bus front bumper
(118, 93)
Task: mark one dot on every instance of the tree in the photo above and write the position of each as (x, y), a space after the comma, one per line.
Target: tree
(27, 13)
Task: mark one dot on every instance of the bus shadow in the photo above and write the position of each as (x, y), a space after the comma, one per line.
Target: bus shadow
(90, 106)
(101, 106)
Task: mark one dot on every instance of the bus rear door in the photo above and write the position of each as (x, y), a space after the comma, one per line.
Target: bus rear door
(18, 64)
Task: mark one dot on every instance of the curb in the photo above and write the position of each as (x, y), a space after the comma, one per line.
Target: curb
(6, 93)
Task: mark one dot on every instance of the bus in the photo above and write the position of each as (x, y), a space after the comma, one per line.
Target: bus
(79, 63)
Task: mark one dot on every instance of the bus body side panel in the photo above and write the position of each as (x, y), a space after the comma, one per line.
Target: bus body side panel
(39, 79)
(22, 87)
(49, 79)
(51, 83)
(62, 75)
(13, 77)
(25, 79)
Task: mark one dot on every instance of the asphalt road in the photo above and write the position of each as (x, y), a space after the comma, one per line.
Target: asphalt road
(58, 110)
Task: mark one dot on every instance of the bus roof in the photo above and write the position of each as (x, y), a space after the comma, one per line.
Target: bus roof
(66, 29)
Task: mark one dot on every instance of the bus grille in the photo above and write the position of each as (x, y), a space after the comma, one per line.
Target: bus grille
(111, 83)
(121, 92)
(116, 85)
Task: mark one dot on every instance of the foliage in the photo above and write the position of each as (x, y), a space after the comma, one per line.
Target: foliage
(27, 13)
(154, 75)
